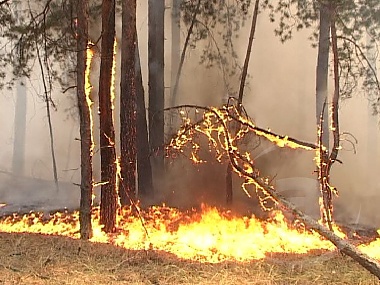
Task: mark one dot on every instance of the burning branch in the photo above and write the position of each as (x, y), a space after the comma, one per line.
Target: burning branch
(215, 126)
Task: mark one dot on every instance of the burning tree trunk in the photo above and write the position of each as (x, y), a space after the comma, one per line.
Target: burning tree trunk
(156, 12)
(229, 192)
(322, 110)
(107, 132)
(85, 123)
(127, 186)
(144, 168)
(322, 70)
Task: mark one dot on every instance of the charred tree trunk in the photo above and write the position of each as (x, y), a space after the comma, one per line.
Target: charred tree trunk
(85, 123)
(144, 168)
(107, 132)
(229, 184)
(156, 11)
(127, 186)
(323, 70)
(321, 110)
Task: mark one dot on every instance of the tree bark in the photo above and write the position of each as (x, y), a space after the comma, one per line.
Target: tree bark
(182, 59)
(107, 132)
(144, 168)
(127, 186)
(229, 182)
(175, 44)
(86, 186)
(322, 114)
(156, 11)
(322, 70)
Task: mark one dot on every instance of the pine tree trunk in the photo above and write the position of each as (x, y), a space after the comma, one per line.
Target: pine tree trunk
(18, 160)
(144, 168)
(127, 187)
(322, 71)
(156, 11)
(229, 181)
(85, 124)
(321, 109)
(107, 132)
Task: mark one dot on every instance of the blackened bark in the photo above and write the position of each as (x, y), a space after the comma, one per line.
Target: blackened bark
(107, 132)
(85, 124)
(322, 71)
(322, 110)
(127, 187)
(144, 167)
(156, 11)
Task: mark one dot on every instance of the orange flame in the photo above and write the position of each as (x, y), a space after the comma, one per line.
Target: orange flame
(207, 236)
(88, 88)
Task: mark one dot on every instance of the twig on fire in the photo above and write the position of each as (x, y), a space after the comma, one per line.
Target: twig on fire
(243, 165)
(270, 135)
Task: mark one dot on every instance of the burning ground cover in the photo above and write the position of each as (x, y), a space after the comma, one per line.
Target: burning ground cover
(204, 235)
(205, 245)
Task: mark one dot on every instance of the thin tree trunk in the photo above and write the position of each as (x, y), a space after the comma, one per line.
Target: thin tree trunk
(85, 123)
(329, 191)
(248, 54)
(322, 71)
(48, 114)
(18, 162)
(175, 44)
(107, 132)
(144, 168)
(229, 184)
(321, 110)
(127, 187)
(156, 12)
(182, 60)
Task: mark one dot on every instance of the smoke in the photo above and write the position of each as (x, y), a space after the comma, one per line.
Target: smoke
(280, 94)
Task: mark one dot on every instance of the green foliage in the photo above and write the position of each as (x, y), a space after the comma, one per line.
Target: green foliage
(358, 28)
(45, 26)
(217, 25)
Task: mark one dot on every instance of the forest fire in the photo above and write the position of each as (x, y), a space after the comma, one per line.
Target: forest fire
(207, 236)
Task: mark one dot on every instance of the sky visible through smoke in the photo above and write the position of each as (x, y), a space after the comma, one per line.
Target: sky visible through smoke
(280, 95)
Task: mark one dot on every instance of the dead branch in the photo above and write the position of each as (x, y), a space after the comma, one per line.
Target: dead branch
(243, 166)
(246, 122)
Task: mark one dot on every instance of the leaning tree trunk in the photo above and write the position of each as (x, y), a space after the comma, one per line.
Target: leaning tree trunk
(86, 186)
(107, 132)
(127, 186)
(229, 192)
(156, 11)
(144, 167)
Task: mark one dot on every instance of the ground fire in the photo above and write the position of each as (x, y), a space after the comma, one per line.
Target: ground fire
(206, 234)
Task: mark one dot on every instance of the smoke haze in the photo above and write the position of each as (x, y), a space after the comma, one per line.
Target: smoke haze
(280, 95)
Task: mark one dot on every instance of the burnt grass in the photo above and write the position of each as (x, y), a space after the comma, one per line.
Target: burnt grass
(40, 259)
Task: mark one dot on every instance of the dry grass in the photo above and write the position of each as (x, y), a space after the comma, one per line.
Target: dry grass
(37, 259)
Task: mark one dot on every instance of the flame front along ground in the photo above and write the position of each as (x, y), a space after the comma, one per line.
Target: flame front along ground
(207, 236)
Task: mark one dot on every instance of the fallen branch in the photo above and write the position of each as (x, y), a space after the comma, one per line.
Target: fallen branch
(243, 165)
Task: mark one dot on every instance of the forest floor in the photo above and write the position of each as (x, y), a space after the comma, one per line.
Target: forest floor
(40, 259)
